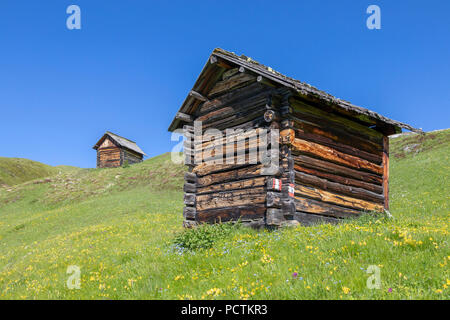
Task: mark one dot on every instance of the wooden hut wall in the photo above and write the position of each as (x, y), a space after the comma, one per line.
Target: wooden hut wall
(108, 155)
(340, 165)
(130, 156)
(223, 192)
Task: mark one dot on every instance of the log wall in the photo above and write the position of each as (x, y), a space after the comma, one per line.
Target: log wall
(236, 190)
(340, 165)
(331, 166)
(110, 155)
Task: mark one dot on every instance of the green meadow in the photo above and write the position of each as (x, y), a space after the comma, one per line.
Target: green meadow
(122, 228)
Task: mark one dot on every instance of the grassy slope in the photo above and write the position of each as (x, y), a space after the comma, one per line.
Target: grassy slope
(122, 240)
(14, 171)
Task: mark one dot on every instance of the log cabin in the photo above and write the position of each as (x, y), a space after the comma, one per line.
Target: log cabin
(329, 159)
(115, 151)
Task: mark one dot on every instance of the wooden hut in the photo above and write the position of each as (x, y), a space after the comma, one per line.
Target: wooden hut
(333, 156)
(114, 151)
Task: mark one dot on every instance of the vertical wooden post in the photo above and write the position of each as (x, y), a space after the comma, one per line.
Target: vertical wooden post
(386, 171)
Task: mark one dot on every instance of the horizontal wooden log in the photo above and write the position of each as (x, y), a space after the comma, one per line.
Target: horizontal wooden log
(307, 205)
(183, 117)
(328, 167)
(230, 83)
(232, 98)
(337, 134)
(311, 180)
(231, 198)
(337, 199)
(323, 140)
(309, 219)
(197, 96)
(209, 167)
(243, 213)
(340, 179)
(229, 73)
(234, 185)
(237, 174)
(236, 119)
(335, 156)
(337, 121)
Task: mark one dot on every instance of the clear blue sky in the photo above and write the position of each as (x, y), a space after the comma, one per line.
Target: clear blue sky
(131, 65)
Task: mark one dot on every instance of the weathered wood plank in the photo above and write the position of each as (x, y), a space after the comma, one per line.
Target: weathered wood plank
(189, 213)
(386, 172)
(333, 155)
(189, 199)
(302, 134)
(316, 207)
(340, 200)
(234, 185)
(309, 219)
(329, 167)
(238, 174)
(311, 180)
(230, 83)
(244, 213)
(337, 121)
(337, 134)
(231, 198)
(340, 179)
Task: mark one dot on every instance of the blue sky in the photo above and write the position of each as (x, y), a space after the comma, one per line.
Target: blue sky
(132, 63)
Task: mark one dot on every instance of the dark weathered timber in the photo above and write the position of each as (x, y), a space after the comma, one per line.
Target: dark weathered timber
(336, 121)
(189, 213)
(338, 146)
(307, 179)
(243, 213)
(337, 199)
(337, 134)
(230, 83)
(190, 187)
(333, 168)
(189, 199)
(386, 172)
(342, 180)
(309, 219)
(332, 155)
(303, 204)
(197, 96)
(274, 199)
(184, 117)
(190, 177)
(231, 198)
(233, 185)
(236, 174)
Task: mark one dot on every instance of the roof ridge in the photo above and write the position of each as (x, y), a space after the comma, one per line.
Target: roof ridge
(109, 132)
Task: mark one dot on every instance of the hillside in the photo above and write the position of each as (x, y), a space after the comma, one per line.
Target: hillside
(14, 171)
(118, 226)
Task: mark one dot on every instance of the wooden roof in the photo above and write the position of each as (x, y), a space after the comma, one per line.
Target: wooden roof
(220, 59)
(120, 141)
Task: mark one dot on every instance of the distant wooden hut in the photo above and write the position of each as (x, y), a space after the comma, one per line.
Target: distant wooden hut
(115, 151)
(333, 156)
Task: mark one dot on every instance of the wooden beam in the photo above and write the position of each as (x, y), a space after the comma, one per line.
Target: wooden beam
(333, 155)
(386, 171)
(197, 96)
(183, 117)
